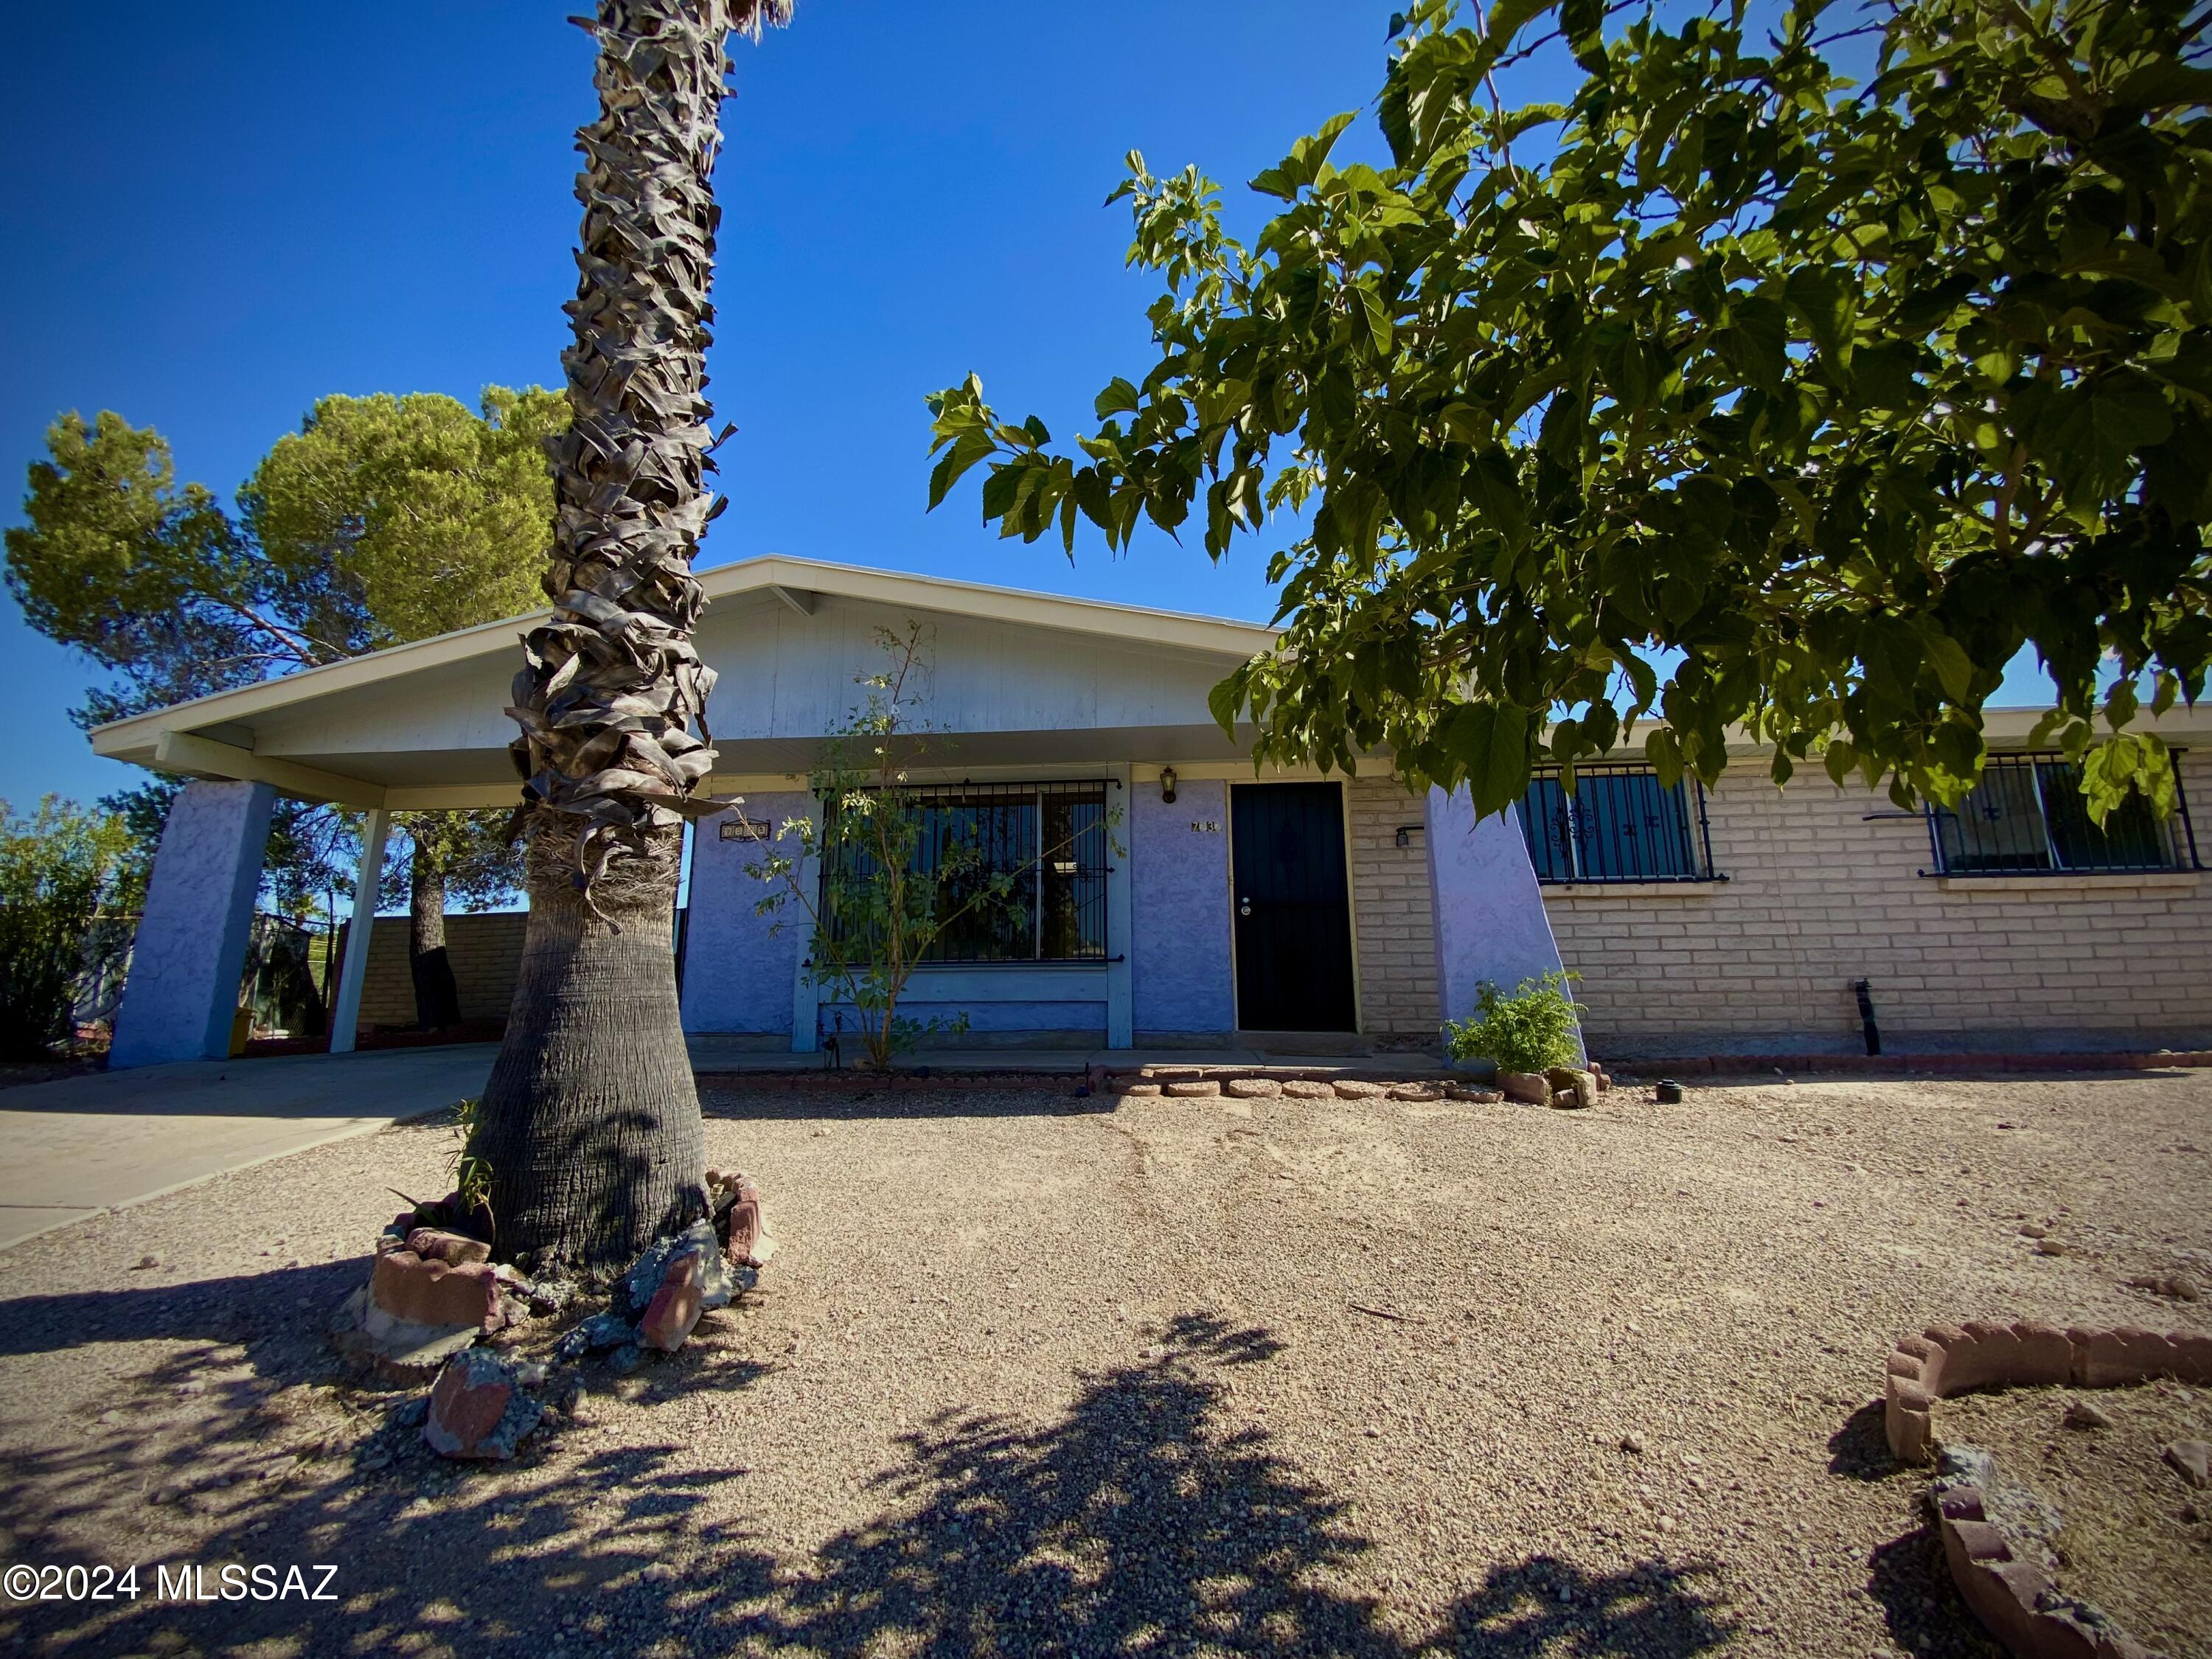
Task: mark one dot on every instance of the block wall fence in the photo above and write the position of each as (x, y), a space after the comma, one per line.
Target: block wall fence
(486, 950)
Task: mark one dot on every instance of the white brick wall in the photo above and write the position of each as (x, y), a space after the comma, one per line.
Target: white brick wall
(1393, 922)
(1823, 888)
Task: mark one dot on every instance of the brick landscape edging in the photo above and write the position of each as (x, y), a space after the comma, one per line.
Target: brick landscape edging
(1238, 1082)
(1187, 1083)
(1949, 1359)
(2016, 1599)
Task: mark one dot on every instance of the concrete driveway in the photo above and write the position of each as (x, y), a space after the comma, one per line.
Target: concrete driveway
(79, 1144)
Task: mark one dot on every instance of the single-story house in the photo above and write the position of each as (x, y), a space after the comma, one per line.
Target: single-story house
(1190, 901)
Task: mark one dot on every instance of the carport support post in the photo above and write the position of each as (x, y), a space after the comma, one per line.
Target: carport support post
(1490, 918)
(345, 1019)
(189, 955)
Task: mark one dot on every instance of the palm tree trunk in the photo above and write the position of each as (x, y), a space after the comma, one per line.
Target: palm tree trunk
(590, 1124)
(437, 994)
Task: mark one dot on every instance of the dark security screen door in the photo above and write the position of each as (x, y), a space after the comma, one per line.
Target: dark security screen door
(1293, 916)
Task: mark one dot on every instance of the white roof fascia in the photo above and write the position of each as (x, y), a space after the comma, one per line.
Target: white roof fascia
(782, 577)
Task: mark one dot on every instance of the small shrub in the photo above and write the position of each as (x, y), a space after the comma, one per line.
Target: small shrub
(1532, 1030)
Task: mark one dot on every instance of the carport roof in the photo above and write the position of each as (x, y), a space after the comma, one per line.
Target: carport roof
(214, 736)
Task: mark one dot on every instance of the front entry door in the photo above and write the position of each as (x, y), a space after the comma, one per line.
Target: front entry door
(1293, 914)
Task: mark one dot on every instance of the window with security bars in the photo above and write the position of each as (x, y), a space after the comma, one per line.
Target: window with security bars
(2027, 817)
(1620, 824)
(1048, 839)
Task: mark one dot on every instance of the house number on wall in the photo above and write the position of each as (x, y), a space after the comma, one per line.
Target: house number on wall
(1205, 826)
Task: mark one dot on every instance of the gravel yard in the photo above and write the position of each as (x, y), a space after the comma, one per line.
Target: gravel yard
(1037, 1374)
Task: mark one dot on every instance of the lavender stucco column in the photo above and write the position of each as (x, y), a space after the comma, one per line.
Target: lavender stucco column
(1180, 959)
(738, 965)
(190, 952)
(1490, 920)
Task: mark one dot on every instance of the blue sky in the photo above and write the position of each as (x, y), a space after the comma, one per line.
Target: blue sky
(222, 213)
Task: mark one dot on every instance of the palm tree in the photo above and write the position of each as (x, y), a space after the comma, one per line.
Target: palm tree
(589, 1125)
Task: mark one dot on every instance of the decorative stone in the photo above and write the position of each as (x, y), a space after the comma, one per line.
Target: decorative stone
(1353, 1088)
(1533, 1088)
(739, 1220)
(455, 1250)
(478, 1409)
(645, 1277)
(675, 1306)
(600, 1332)
(2014, 1600)
(1306, 1087)
(1199, 1088)
(1137, 1087)
(1252, 1088)
(2191, 1460)
(397, 1350)
(424, 1292)
(1581, 1084)
(2180, 1286)
(2087, 1414)
(1463, 1092)
(1415, 1091)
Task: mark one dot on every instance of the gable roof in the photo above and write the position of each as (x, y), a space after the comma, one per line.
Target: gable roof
(777, 574)
(213, 734)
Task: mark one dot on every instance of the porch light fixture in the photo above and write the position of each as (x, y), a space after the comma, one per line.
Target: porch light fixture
(1167, 784)
(1406, 832)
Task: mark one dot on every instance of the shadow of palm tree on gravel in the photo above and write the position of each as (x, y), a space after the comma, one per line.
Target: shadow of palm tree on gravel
(1137, 1523)
(1134, 1525)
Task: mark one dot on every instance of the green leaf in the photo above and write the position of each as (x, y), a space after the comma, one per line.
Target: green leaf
(2094, 431)
(1755, 340)
(1378, 319)
(1489, 744)
(1119, 397)
(1955, 669)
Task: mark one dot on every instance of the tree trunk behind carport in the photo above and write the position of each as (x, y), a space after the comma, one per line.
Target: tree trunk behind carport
(437, 993)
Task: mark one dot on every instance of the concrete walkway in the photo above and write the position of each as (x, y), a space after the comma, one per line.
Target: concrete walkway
(80, 1145)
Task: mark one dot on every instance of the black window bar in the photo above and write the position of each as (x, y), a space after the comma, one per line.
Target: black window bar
(1050, 837)
(1621, 824)
(2026, 817)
